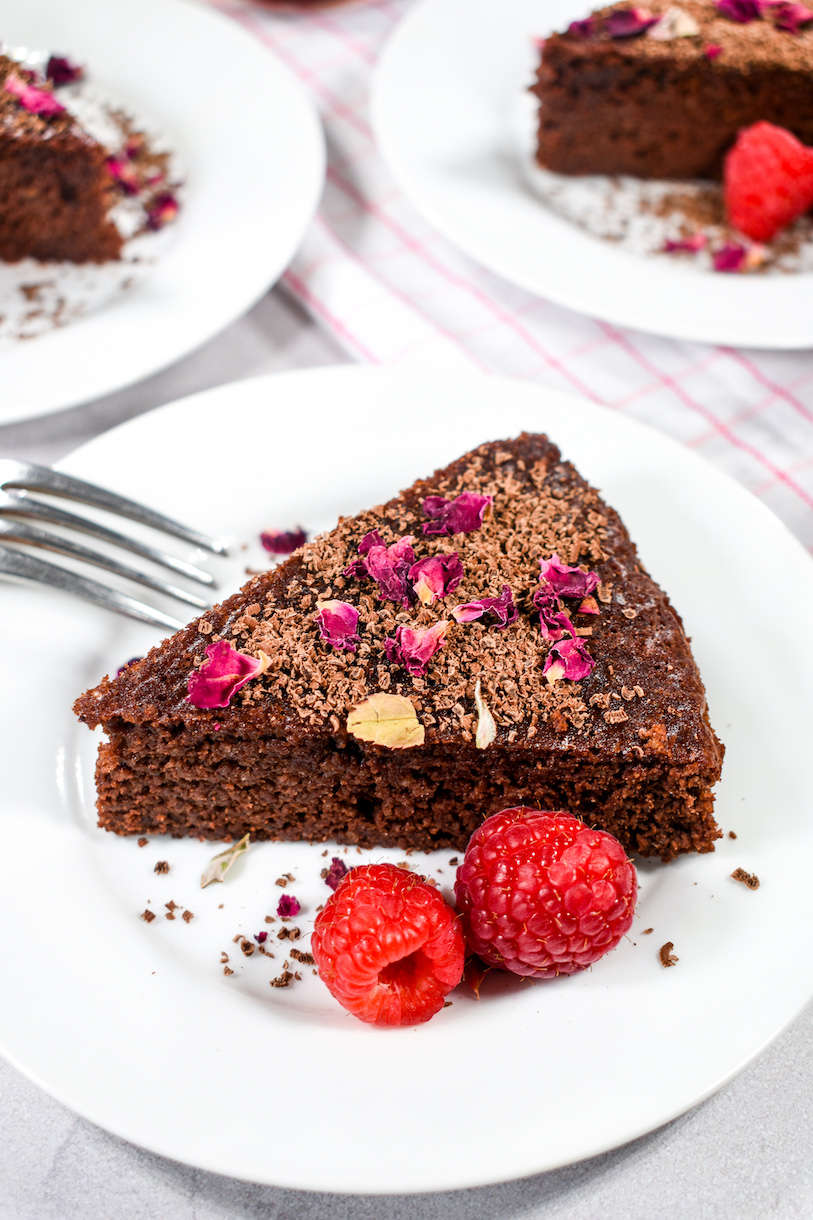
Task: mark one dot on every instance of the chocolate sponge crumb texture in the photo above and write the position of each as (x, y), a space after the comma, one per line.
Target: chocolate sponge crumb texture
(628, 748)
(659, 107)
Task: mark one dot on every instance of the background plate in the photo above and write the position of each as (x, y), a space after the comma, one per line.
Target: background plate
(136, 1027)
(247, 135)
(454, 123)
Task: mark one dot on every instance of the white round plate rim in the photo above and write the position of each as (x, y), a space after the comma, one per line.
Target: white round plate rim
(463, 172)
(253, 148)
(293, 1095)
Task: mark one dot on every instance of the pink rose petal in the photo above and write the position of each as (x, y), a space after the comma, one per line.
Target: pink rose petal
(288, 906)
(462, 515)
(435, 576)
(338, 623)
(224, 673)
(283, 542)
(388, 566)
(565, 581)
(628, 22)
(582, 29)
(568, 659)
(688, 245)
(162, 211)
(33, 99)
(741, 11)
(125, 174)
(501, 607)
(731, 257)
(712, 50)
(261, 937)
(791, 17)
(61, 71)
(554, 622)
(414, 647)
(337, 870)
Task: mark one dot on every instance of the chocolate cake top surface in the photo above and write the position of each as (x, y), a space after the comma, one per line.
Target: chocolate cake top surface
(643, 697)
(19, 123)
(743, 45)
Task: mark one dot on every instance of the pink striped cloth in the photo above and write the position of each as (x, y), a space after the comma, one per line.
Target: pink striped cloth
(392, 291)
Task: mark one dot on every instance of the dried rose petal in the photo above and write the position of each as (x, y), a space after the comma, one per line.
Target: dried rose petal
(414, 647)
(741, 11)
(565, 581)
(124, 174)
(386, 720)
(689, 245)
(791, 17)
(674, 23)
(283, 542)
(31, 98)
(712, 50)
(462, 515)
(486, 728)
(629, 21)
(387, 565)
(337, 870)
(582, 29)
(501, 607)
(568, 659)
(731, 257)
(162, 211)
(261, 937)
(224, 673)
(554, 621)
(436, 576)
(337, 624)
(127, 665)
(288, 906)
(62, 71)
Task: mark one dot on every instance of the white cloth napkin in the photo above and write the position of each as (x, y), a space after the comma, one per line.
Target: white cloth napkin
(393, 291)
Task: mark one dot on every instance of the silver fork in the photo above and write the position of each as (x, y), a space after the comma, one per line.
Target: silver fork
(22, 519)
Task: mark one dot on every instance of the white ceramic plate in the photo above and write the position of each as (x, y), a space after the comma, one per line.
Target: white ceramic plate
(252, 146)
(135, 1025)
(453, 123)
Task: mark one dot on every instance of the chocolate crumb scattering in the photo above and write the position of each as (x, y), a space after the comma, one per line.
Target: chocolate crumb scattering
(187, 917)
(749, 879)
(281, 881)
(648, 931)
(282, 980)
(666, 955)
(148, 916)
(142, 842)
(162, 866)
(171, 906)
(305, 958)
(227, 971)
(224, 957)
(731, 834)
(246, 947)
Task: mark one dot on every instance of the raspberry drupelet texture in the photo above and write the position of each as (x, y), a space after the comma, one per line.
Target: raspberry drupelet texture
(768, 180)
(542, 894)
(388, 946)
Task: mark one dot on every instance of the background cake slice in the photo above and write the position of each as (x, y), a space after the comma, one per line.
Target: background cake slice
(628, 746)
(658, 106)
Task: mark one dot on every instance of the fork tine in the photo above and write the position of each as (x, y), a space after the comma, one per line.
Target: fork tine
(18, 504)
(29, 568)
(31, 477)
(32, 535)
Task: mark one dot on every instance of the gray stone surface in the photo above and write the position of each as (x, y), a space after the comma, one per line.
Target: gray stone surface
(745, 1153)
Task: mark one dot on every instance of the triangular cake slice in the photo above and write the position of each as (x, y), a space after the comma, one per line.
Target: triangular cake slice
(585, 698)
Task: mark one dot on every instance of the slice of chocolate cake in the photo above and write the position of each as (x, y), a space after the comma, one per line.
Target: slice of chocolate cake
(661, 91)
(56, 192)
(532, 659)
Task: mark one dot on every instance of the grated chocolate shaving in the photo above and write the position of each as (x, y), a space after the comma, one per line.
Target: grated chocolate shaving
(666, 955)
(749, 879)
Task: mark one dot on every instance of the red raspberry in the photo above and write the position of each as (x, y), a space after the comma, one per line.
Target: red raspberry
(542, 894)
(768, 180)
(388, 946)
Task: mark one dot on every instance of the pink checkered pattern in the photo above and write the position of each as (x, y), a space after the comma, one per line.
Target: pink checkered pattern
(393, 291)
